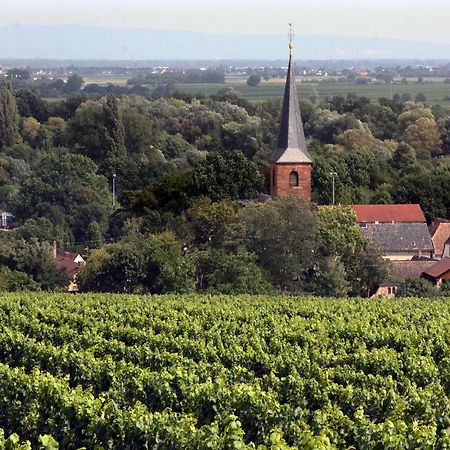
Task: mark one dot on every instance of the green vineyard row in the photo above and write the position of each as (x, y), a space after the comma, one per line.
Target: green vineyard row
(207, 372)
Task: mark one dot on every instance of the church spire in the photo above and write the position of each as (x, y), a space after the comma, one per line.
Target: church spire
(291, 145)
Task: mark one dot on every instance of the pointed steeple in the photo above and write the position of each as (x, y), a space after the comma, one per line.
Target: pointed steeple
(291, 145)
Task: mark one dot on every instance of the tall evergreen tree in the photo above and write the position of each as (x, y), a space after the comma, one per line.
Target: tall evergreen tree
(115, 151)
(9, 117)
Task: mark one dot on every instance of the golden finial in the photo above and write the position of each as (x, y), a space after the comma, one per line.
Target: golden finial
(291, 37)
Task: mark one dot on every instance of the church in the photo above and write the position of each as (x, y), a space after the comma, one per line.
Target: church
(400, 231)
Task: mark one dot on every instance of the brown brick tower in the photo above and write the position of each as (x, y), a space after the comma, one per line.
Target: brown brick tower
(290, 162)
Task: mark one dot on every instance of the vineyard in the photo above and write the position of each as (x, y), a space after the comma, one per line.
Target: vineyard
(211, 372)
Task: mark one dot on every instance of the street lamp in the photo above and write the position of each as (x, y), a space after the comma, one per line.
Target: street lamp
(333, 174)
(114, 191)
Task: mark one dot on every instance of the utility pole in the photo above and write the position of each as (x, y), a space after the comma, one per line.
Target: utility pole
(114, 191)
(333, 174)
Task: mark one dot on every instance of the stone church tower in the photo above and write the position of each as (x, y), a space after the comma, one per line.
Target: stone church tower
(290, 162)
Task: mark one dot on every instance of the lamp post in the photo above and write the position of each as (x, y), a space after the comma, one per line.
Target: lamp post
(114, 190)
(333, 174)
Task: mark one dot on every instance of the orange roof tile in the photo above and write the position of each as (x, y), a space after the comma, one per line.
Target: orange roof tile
(440, 235)
(389, 213)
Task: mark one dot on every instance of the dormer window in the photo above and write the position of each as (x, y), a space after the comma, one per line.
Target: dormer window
(293, 179)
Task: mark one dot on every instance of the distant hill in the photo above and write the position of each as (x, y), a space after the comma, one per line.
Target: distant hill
(81, 42)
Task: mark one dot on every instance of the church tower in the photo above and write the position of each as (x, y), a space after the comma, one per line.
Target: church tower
(290, 161)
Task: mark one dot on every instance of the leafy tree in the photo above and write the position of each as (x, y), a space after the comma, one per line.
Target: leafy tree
(73, 84)
(404, 157)
(58, 131)
(340, 235)
(238, 273)
(115, 150)
(423, 136)
(42, 229)
(420, 97)
(253, 80)
(147, 264)
(283, 235)
(167, 270)
(13, 280)
(93, 235)
(29, 104)
(415, 287)
(209, 221)
(328, 278)
(353, 140)
(29, 130)
(370, 269)
(227, 175)
(9, 117)
(33, 258)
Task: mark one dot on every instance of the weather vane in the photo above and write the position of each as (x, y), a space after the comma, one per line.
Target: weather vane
(291, 38)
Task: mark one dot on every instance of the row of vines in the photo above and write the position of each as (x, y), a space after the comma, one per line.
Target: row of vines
(218, 372)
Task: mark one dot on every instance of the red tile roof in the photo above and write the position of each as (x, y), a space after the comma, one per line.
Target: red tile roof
(389, 213)
(438, 269)
(66, 261)
(440, 234)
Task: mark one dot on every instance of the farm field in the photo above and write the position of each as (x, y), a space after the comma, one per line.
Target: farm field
(222, 372)
(267, 90)
(105, 79)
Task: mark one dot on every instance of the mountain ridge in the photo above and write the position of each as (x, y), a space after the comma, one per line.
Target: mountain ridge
(108, 43)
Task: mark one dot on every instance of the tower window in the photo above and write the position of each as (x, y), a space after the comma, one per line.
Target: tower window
(273, 178)
(293, 179)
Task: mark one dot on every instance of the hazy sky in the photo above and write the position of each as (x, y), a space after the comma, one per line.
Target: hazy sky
(406, 19)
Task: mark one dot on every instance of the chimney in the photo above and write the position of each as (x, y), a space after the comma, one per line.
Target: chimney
(54, 250)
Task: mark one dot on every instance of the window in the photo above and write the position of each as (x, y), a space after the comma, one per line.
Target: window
(273, 178)
(293, 179)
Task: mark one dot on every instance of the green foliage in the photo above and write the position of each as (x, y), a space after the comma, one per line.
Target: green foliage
(13, 280)
(253, 80)
(283, 235)
(115, 150)
(248, 372)
(209, 221)
(152, 264)
(28, 265)
(9, 117)
(414, 287)
(369, 270)
(237, 273)
(227, 175)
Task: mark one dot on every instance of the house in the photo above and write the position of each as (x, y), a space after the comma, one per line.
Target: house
(399, 230)
(438, 272)
(446, 251)
(6, 219)
(71, 263)
(440, 235)
(400, 271)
